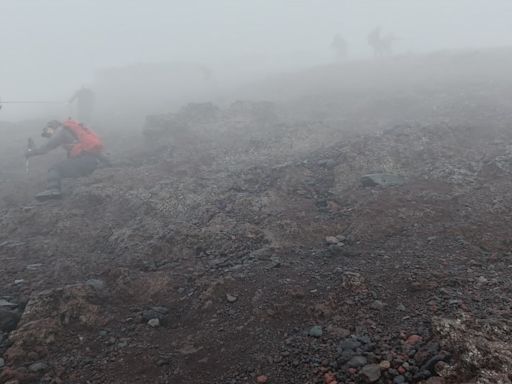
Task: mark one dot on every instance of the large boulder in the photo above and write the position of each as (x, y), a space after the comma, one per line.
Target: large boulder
(49, 316)
(482, 349)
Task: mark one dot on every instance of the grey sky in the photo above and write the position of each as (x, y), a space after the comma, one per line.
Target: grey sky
(50, 47)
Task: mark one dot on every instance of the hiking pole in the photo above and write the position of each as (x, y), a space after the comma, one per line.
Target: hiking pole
(30, 147)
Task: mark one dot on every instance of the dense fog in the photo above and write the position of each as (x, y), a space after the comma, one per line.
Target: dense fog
(166, 53)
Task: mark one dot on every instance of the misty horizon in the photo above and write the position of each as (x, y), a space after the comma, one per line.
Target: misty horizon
(51, 47)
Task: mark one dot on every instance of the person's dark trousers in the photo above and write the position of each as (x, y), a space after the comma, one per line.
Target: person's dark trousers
(80, 166)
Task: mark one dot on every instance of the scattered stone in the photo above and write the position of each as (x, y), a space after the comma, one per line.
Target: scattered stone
(159, 313)
(381, 179)
(331, 240)
(161, 309)
(329, 378)
(19, 281)
(38, 367)
(33, 267)
(262, 379)
(399, 380)
(339, 332)
(7, 304)
(401, 307)
(385, 365)
(154, 323)
(377, 305)
(442, 368)
(96, 284)
(2, 363)
(8, 320)
(436, 380)
(370, 373)
(327, 163)
(349, 344)
(315, 331)
(231, 298)
(358, 361)
(413, 339)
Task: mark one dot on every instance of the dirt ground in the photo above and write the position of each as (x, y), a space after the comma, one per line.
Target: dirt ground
(246, 249)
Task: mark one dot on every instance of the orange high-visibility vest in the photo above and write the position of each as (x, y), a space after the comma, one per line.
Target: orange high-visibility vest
(87, 140)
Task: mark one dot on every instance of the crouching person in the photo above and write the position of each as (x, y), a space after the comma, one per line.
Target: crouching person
(84, 149)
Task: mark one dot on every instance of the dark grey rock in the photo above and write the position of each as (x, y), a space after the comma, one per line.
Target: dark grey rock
(7, 304)
(357, 362)
(422, 375)
(151, 313)
(377, 305)
(8, 320)
(161, 309)
(345, 356)
(97, 284)
(38, 367)
(381, 179)
(349, 344)
(370, 373)
(315, 331)
(399, 380)
(327, 163)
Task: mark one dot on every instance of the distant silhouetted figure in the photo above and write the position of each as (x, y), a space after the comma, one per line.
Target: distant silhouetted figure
(382, 45)
(340, 47)
(84, 98)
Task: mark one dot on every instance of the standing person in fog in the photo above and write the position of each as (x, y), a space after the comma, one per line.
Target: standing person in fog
(84, 99)
(340, 47)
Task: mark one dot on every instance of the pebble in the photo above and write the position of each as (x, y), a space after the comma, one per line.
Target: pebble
(399, 380)
(38, 367)
(378, 305)
(262, 379)
(7, 304)
(331, 240)
(231, 298)
(413, 339)
(385, 365)
(329, 378)
(358, 361)
(349, 344)
(370, 373)
(401, 307)
(2, 362)
(345, 356)
(96, 284)
(154, 323)
(8, 320)
(436, 380)
(152, 313)
(32, 267)
(315, 331)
